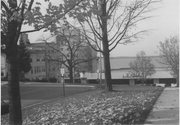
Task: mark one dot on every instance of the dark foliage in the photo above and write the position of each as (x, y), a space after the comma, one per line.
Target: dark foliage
(24, 58)
(4, 107)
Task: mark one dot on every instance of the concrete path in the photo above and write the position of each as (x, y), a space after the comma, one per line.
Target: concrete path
(166, 109)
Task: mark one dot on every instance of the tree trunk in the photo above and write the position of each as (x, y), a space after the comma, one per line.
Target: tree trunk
(177, 80)
(71, 74)
(106, 55)
(15, 115)
(107, 70)
(144, 80)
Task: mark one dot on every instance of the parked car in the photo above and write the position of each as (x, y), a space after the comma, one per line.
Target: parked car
(173, 85)
(4, 107)
(160, 84)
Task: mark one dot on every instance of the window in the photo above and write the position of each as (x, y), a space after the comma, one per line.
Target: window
(2, 74)
(38, 69)
(43, 69)
(43, 59)
(37, 60)
(34, 70)
(31, 71)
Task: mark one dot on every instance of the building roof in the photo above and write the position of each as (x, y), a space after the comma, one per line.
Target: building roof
(123, 62)
(40, 47)
(120, 67)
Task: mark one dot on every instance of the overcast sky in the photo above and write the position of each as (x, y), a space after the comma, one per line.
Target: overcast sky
(164, 24)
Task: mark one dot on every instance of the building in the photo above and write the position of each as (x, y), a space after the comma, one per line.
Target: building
(91, 64)
(120, 71)
(43, 65)
(46, 60)
(24, 38)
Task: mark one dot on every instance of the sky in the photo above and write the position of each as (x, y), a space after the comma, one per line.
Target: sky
(163, 24)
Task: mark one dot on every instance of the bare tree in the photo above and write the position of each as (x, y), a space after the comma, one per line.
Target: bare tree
(110, 22)
(142, 67)
(169, 51)
(69, 49)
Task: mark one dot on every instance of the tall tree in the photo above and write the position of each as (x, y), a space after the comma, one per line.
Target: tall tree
(14, 13)
(69, 49)
(169, 51)
(142, 67)
(110, 22)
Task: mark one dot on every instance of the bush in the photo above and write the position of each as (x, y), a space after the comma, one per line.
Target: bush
(4, 78)
(39, 80)
(4, 107)
(52, 79)
(25, 80)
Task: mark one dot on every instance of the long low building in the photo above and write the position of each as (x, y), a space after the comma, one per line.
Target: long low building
(120, 69)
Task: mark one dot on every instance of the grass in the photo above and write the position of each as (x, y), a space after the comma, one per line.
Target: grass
(125, 105)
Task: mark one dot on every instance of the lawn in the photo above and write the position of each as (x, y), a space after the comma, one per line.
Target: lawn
(32, 94)
(125, 105)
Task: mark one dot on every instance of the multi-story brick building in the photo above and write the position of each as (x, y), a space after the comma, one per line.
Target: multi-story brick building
(46, 61)
(41, 67)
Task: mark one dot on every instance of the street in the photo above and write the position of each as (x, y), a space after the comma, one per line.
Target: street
(36, 93)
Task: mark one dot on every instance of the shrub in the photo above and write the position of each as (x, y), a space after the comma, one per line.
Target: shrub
(52, 79)
(4, 107)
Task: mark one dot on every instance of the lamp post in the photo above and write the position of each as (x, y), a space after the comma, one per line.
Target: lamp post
(62, 76)
(98, 75)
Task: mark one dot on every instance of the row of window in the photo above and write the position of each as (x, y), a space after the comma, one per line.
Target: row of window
(40, 60)
(37, 69)
(41, 69)
(54, 51)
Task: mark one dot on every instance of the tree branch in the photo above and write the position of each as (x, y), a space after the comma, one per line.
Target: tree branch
(5, 7)
(30, 5)
(50, 22)
(89, 43)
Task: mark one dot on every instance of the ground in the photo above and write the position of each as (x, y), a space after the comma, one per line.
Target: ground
(126, 104)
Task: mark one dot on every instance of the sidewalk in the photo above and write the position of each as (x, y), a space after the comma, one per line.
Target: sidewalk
(166, 109)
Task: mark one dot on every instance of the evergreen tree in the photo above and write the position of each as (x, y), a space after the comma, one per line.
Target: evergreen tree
(24, 57)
